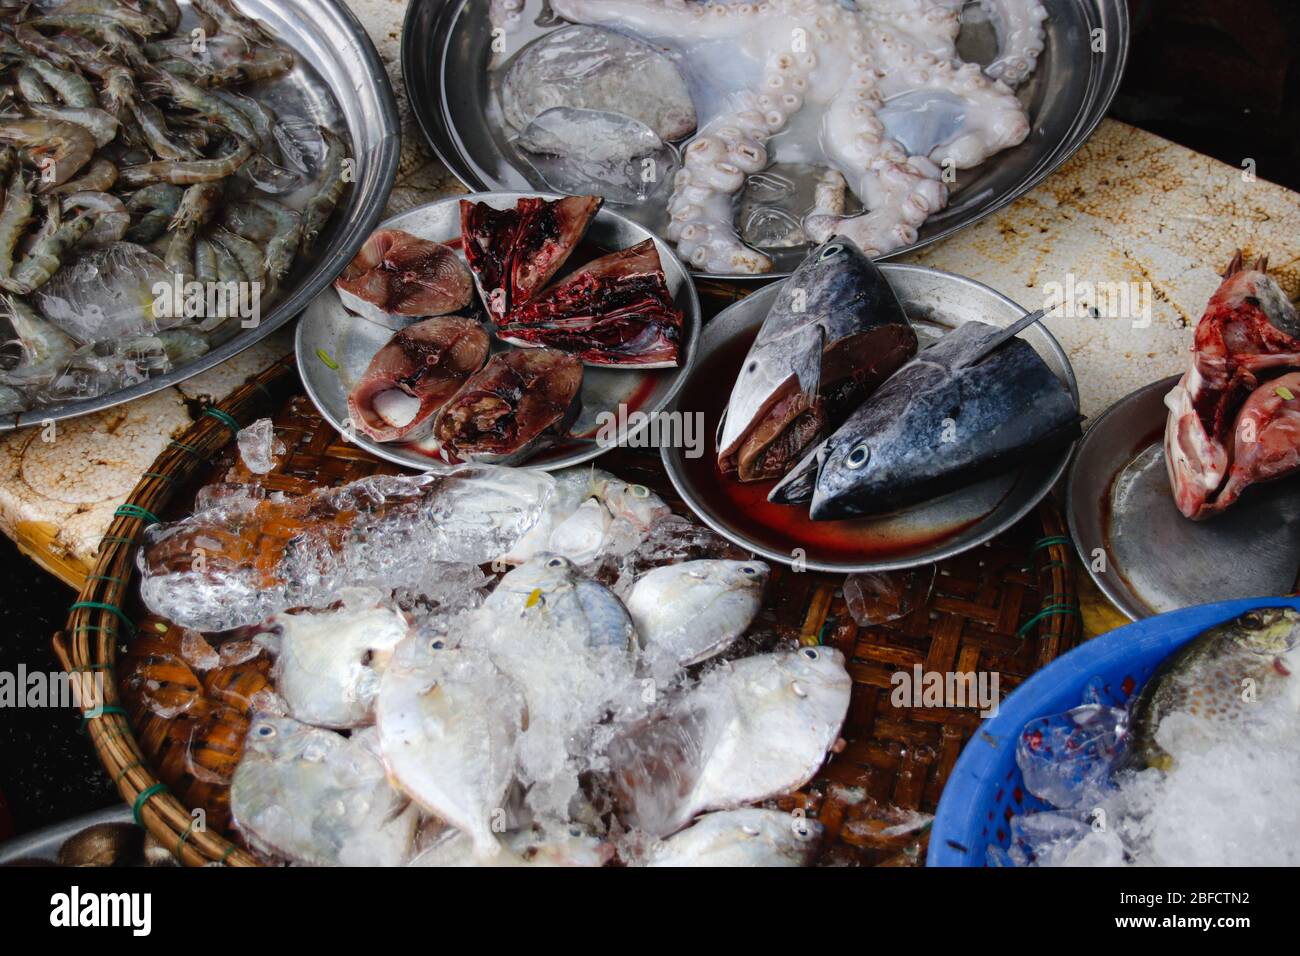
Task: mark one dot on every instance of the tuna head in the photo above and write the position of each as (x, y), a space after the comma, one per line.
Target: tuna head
(835, 332)
(946, 419)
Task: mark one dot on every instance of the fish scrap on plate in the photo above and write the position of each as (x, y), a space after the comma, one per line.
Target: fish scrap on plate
(548, 722)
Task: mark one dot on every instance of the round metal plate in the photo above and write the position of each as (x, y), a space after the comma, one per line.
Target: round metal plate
(329, 330)
(926, 532)
(341, 83)
(1144, 555)
(446, 52)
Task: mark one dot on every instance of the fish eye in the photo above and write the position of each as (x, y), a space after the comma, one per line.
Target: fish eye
(575, 832)
(830, 251)
(811, 653)
(749, 569)
(858, 456)
(437, 644)
(640, 491)
(753, 366)
(265, 731)
(801, 829)
(555, 563)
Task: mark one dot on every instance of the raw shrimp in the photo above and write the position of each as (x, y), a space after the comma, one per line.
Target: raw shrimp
(165, 10)
(332, 186)
(122, 95)
(187, 172)
(46, 256)
(71, 86)
(44, 351)
(42, 46)
(137, 21)
(225, 60)
(34, 89)
(99, 177)
(228, 267)
(111, 216)
(194, 97)
(230, 20)
(205, 262)
(119, 42)
(14, 219)
(277, 227)
(197, 207)
(100, 124)
(155, 206)
(60, 149)
(180, 253)
(249, 255)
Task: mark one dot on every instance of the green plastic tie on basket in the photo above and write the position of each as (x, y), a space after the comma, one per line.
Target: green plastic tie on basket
(222, 417)
(106, 709)
(158, 474)
(125, 770)
(1047, 612)
(140, 801)
(129, 510)
(1049, 541)
(104, 577)
(101, 606)
(225, 856)
(184, 447)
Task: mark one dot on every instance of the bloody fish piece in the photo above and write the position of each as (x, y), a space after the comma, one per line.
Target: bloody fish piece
(944, 420)
(414, 375)
(397, 275)
(615, 310)
(512, 407)
(1266, 442)
(1249, 332)
(835, 332)
(514, 252)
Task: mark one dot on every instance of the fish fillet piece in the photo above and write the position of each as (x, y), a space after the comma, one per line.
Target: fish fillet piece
(514, 252)
(414, 375)
(512, 407)
(397, 275)
(615, 310)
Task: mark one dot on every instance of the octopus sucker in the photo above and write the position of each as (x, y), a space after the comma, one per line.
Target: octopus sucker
(897, 106)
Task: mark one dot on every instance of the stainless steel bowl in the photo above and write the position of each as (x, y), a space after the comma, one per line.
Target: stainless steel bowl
(926, 532)
(344, 86)
(446, 52)
(330, 332)
(1144, 555)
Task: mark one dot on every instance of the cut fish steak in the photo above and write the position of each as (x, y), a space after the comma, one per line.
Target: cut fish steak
(615, 310)
(397, 276)
(514, 252)
(1230, 424)
(413, 376)
(513, 407)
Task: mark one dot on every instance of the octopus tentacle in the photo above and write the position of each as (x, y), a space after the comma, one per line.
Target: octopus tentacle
(650, 18)
(1021, 38)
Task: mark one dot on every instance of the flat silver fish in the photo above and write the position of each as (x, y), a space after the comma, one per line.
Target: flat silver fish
(747, 837)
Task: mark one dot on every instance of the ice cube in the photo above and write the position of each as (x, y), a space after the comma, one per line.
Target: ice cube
(1066, 759)
(887, 596)
(109, 294)
(258, 447)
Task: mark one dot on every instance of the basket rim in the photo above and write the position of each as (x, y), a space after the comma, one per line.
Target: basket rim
(97, 623)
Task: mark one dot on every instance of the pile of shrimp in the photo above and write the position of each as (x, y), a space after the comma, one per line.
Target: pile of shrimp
(118, 125)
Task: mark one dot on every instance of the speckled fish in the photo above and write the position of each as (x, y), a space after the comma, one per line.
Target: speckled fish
(1219, 679)
(834, 333)
(686, 613)
(318, 798)
(449, 722)
(328, 663)
(748, 731)
(414, 374)
(513, 407)
(944, 420)
(521, 848)
(747, 837)
(568, 642)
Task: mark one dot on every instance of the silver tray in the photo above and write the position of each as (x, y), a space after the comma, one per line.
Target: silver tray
(445, 57)
(329, 330)
(345, 87)
(1144, 555)
(926, 532)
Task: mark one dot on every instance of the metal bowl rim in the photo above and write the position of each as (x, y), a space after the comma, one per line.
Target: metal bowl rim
(951, 549)
(388, 153)
(1110, 70)
(1120, 596)
(693, 321)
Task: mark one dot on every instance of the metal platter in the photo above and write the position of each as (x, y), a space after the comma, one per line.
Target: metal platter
(935, 301)
(1144, 555)
(446, 53)
(330, 332)
(43, 845)
(340, 83)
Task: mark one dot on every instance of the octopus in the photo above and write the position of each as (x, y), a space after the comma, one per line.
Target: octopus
(879, 83)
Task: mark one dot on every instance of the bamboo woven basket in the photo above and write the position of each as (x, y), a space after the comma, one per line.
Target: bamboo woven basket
(1010, 606)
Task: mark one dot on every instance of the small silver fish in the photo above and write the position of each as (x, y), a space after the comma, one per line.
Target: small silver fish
(747, 837)
(686, 613)
(749, 730)
(318, 798)
(521, 848)
(449, 722)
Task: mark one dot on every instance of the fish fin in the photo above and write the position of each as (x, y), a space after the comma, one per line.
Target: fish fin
(800, 482)
(1001, 339)
(809, 371)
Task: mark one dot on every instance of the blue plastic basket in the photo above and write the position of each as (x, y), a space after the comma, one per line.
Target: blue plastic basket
(985, 789)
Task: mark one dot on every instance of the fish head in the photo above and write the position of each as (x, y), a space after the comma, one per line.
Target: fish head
(544, 575)
(1267, 631)
(815, 667)
(732, 575)
(636, 503)
(279, 738)
(1248, 294)
(848, 465)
